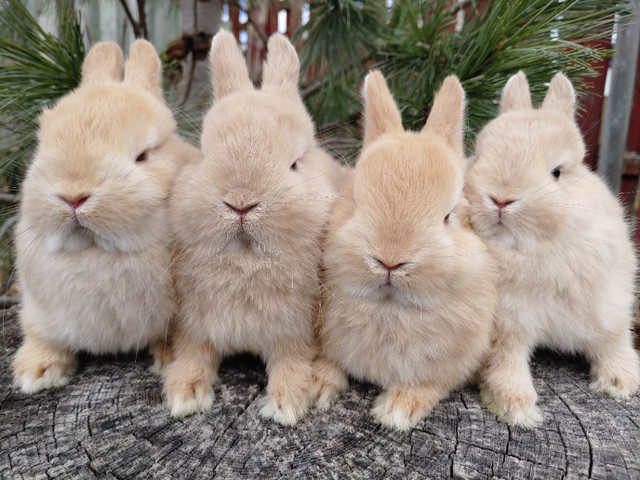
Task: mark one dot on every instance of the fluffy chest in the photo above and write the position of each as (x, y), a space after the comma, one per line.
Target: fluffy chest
(245, 302)
(561, 299)
(385, 343)
(96, 300)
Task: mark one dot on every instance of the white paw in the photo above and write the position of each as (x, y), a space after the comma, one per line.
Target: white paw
(325, 398)
(30, 385)
(390, 416)
(188, 406)
(326, 393)
(53, 377)
(611, 388)
(529, 419)
(528, 416)
(156, 368)
(284, 416)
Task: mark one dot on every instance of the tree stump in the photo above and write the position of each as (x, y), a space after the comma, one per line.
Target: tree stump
(110, 422)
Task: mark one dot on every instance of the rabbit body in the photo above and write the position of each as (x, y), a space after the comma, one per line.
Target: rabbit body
(410, 289)
(92, 242)
(249, 221)
(567, 265)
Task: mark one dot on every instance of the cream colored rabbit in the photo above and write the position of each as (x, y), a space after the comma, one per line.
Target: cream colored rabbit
(567, 263)
(249, 220)
(92, 242)
(410, 289)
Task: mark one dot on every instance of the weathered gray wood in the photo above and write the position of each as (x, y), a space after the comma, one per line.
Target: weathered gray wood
(109, 422)
(617, 109)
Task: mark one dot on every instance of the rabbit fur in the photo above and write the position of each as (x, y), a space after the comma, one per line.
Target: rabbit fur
(249, 220)
(92, 242)
(409, 288)
(566, 261)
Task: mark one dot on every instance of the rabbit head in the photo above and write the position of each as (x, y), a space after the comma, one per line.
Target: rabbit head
(106, 156)
(263, 177)
(399, 241)
(526, 165)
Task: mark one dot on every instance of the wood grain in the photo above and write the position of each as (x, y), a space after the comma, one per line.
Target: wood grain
(110, 422)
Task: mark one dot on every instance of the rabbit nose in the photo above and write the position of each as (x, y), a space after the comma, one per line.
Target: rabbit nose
(75, 202)
(241, 210)
(389, 268)
(501, 204)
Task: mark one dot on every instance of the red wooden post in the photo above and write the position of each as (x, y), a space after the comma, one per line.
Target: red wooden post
(631, 166)
(234, 17)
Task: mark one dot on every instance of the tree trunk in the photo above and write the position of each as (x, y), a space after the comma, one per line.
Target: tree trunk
(110, 422)
(199, 16)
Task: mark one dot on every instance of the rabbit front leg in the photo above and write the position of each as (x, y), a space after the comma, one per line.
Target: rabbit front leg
(506, 385)
(615, 367)
(290, 386)
(162, 355)
(161, 349)
(402, 407)
(188, 380)
(329, 380)
(39, 364)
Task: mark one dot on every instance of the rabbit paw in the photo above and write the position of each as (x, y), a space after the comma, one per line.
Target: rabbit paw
(286, 406)
(187, 391)
(617, 372)
(402, 408)
(518, 409)
(187, 398)
(618, 386)
(37, 367)
(328, 380)
(289, 390)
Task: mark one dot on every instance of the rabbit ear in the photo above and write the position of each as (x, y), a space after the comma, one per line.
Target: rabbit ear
(516, 95)
(560, 96)
(282, 67)
(381, 114)
(103, 64)
(229, 72)
(143, 67)
(447, 114)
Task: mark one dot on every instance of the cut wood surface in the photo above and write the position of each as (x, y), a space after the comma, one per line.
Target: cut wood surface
(110, 422)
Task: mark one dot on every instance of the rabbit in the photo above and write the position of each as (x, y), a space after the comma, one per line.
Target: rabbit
(409, 289)
(565, 259)
(249, 219)
(93, 240)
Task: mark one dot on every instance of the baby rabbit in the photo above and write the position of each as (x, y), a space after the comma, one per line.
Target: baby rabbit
(566, 262)
(92, 242)
(410, 289)
(248, 220)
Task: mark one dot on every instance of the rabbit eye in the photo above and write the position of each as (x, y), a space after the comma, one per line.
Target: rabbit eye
(446, 219)
(142, 157)
(556, 173)
(294, 166)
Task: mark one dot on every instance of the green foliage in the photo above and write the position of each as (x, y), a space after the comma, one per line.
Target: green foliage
(337, 44)
(416, 46)
(36, 68)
